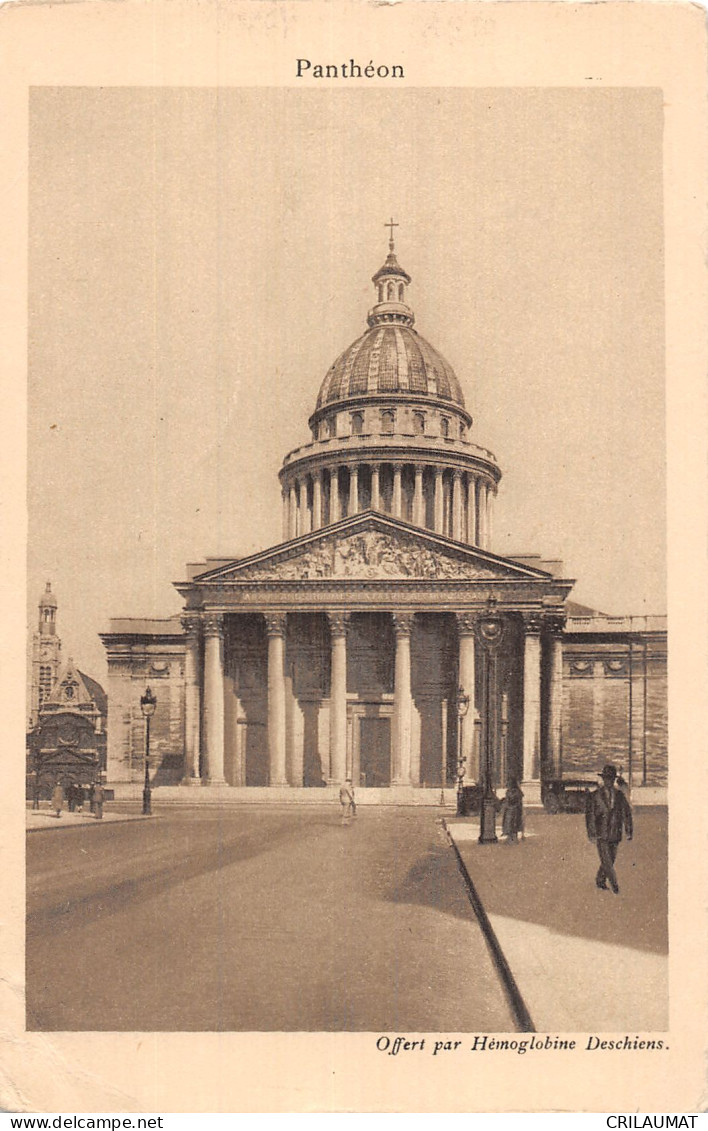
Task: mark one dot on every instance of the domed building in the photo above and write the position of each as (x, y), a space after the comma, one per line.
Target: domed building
(382, 640)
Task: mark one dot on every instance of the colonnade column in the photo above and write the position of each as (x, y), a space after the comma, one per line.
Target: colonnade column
(353, 490)
(397, 504)
(471, 511)
(338, 698)
(190, 623)
(555, 625)
(532, 696)
(286, 514)
(466, 625)
(457, 505)
(275, 630)
(316, 500)
(292, 511)
(304, 520)
(402, 700)
(375, 488)
(481, 489)
(438, 509)
(490, 516)
(334, 511)
(418, 501)
(214, 698)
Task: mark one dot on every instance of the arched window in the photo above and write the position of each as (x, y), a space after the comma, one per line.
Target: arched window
(381, 292)
(418, 423)
(357, 423)
(387, 421)
(391, 292)
(332, 425)
(47, 614)
(400, 292)
(463, 429)
(445, 427)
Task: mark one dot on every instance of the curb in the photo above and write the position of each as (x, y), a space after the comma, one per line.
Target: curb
(513, 993)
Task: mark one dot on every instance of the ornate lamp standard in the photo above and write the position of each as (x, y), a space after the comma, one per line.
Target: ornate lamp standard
(148, 703)
(463, 702)
(490, 629)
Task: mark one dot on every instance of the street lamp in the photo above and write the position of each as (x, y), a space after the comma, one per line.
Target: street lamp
(490, 629)
(463, 702)
(148, 703)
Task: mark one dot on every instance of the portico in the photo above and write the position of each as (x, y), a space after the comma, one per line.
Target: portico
(339, 654)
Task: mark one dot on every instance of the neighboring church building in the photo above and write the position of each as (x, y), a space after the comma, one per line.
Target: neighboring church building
(66, 739)
(341, 652)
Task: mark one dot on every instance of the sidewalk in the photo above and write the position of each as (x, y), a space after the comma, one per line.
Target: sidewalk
(582, 959)
(45, 819)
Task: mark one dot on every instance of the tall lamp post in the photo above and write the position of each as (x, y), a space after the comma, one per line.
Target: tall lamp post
(463, 702)
(490, 629)
(148, 703)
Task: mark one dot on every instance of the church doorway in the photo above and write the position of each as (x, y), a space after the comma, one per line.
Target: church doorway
(374, 752)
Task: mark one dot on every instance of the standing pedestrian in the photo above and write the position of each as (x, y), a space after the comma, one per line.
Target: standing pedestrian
(607, 814)
(58, 799)
(346, 800)
(98, 799)
(512, 811)
(80, 798)
(71, 797)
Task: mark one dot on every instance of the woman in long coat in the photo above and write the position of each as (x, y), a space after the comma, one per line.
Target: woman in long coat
(513, 811)
(58, 798)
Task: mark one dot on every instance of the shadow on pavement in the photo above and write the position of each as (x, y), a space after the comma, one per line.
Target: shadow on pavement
(549, 879)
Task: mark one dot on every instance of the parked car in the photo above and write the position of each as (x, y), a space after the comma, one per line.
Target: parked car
(566, 795)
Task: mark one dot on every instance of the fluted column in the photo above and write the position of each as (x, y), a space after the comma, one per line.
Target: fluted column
(402, 700)
(490, 516)
(532, 696)
(317, 500)
(418, 501)
(275, 630)
(555, 624)
(481, 514)
(375, 488)
(466, 623)
(304, 516)
(292, 511)
(334, 511)
(397, 504)
(471, 511)
(457, 505)
(338, 698)
(214, 698)
(190, 623)
(354, 490)
(438, 508)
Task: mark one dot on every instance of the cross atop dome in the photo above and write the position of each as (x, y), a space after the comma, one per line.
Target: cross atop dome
(391, 224)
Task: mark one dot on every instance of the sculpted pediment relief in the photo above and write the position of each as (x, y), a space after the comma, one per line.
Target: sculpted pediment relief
(370, 554)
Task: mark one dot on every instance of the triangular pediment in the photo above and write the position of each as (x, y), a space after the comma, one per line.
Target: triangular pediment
(372, 547)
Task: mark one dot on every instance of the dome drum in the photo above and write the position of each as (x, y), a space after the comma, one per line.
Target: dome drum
(403, 416)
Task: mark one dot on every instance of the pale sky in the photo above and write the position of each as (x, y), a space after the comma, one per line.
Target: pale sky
(198, 258)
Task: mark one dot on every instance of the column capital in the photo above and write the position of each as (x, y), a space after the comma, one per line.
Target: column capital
(554, 623)
(191, 623)
(419, 468)
(275, 623)
(533, 622)
(213, 624)
(457, 473)
(338, 623)
(466, 623)
(403, 623)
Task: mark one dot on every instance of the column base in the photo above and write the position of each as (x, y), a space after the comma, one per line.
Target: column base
(191, 781)
(532, 792)
(279, 784)
(212, 781)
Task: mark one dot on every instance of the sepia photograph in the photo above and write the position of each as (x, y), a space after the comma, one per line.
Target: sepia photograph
(347, 560)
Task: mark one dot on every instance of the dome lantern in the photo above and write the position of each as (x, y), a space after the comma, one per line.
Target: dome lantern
(391, 282)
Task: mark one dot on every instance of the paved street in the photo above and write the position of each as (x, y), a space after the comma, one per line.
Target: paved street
(245, 919)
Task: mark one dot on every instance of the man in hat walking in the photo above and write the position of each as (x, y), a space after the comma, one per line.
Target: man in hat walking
(607, 814)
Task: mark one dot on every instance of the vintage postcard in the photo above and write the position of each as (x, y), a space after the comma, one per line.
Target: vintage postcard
(355, 484)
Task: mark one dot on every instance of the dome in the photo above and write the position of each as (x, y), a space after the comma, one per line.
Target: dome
(390, 359)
